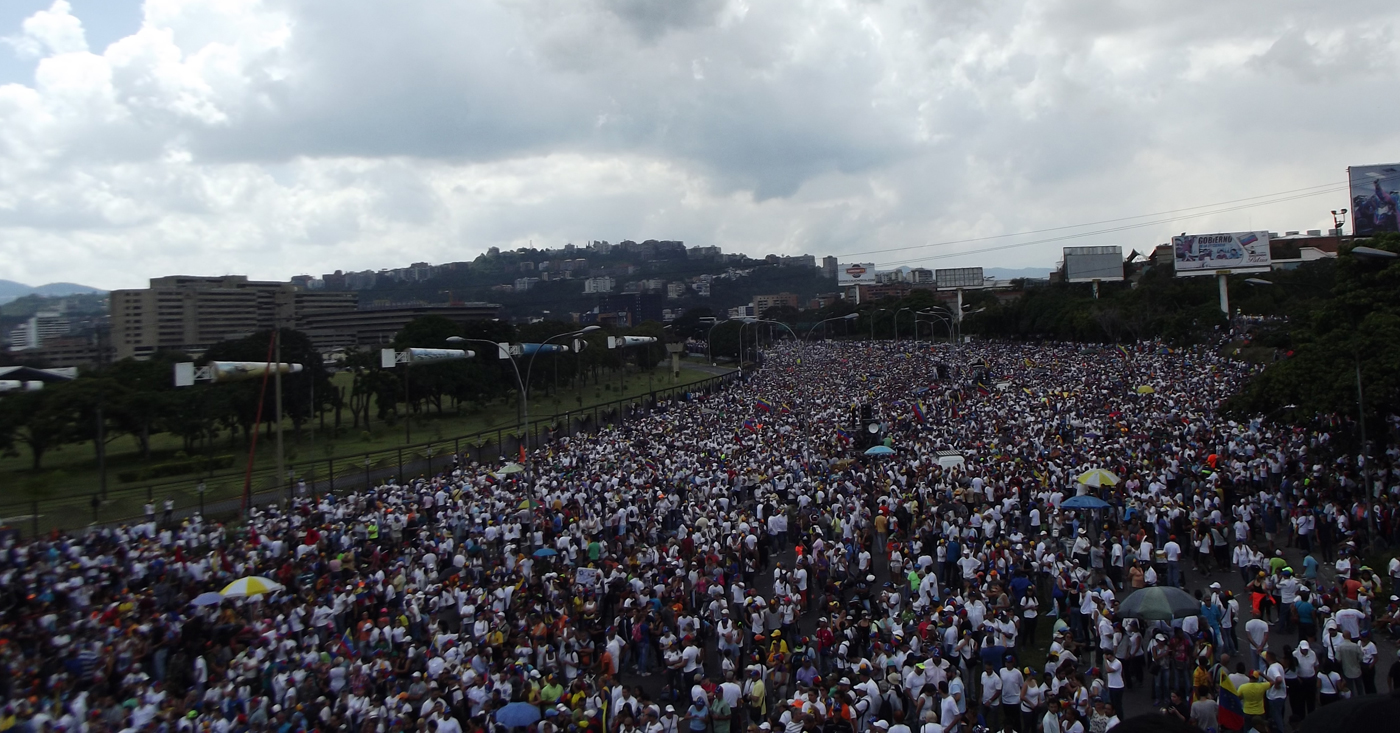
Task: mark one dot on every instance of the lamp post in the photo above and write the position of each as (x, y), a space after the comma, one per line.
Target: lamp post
(896, 321)
(1372, 254)
(848, 317)
(872, 321)
(522, 382)
(502, 348)
(200, 489)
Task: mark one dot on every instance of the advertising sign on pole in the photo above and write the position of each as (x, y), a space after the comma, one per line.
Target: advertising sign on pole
(1375, 190)
(860, 273)
(958, 278)
(1087, 264)
(1210, 254)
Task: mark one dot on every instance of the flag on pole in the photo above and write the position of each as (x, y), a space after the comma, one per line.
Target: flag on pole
(1231, 713)
(1122, 351)
(843, 435)
(919, 410)
(345, 645)
(764, 405)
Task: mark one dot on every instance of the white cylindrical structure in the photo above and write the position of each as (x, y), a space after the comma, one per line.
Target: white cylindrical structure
(234, 371)
(429, 356)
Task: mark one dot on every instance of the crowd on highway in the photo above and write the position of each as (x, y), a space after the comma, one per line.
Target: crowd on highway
(735, 561)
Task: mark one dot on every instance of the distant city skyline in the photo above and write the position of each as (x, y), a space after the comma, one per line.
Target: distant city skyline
(142, 139)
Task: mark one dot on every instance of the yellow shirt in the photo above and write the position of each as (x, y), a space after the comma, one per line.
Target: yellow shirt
(1252, 695)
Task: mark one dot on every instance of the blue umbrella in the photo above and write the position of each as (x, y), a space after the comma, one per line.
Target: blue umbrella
(880, 450)
(212, 598)
(518, 715)
(1084, 502)
(545, 552)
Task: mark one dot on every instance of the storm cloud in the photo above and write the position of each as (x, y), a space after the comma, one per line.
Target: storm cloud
(285, 136)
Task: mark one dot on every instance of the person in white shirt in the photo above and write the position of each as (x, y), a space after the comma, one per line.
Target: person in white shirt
(991, 691)
(1173, 553)
(1256, 630)
(1051, 722)
(1277, 696)
(1113, 677)
(1012, 684)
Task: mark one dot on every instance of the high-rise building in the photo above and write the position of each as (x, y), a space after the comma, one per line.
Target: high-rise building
(40, 328)
(186, 313)
(191, 314)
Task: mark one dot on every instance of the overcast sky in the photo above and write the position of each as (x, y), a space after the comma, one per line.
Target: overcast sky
(283, 137)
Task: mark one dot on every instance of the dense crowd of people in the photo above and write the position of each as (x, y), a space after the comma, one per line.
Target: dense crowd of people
(735, 561)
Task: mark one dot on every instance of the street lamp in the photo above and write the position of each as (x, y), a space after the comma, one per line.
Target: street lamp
(872, 321)
(847, 317)
(522, 382)
(1373, 254)
(896, 321)
(709, 342)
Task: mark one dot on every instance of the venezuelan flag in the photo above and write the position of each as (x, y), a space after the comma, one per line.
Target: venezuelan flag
(1231, 712)
(919, 411)
(764, 405)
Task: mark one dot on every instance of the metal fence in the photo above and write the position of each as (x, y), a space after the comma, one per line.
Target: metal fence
(221, 493)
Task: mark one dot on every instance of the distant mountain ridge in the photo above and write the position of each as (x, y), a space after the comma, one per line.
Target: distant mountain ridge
(10, 290)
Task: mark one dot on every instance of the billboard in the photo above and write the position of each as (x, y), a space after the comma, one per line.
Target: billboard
(958, 278)
(1375, 190)
(1087, 264)
(1207, 254)
(860, 273)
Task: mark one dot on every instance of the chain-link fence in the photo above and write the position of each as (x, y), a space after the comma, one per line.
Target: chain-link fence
(221, 493)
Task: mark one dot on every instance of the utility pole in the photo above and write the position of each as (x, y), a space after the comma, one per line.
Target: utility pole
(277, 392)
(1365, 462)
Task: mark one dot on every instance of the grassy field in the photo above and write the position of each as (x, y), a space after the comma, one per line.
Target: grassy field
(70, 473)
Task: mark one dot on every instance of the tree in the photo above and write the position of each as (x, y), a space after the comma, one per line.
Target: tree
(41, 420)
(298, 403)
(142, 404)
(1352, 336)
(428, 381)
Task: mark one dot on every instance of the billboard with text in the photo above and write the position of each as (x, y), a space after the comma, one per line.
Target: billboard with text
(1207, 254)
(860, 273)
(1374, 191)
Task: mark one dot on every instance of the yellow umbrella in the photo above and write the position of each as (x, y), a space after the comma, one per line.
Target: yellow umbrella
(1145, 389)
(1097, 477)
(253, 585)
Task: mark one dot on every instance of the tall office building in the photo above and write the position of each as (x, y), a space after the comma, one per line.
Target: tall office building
(190, 314)
(186, 313)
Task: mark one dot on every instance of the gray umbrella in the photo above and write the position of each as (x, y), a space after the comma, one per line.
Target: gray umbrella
(1159, 603)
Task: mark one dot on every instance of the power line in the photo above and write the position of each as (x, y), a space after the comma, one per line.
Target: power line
(1291, 194)
(1097, 232)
